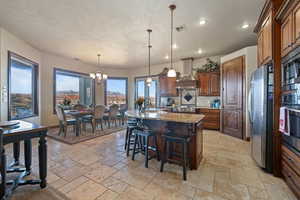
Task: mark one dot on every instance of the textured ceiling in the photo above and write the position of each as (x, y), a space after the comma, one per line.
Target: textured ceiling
(117, 28)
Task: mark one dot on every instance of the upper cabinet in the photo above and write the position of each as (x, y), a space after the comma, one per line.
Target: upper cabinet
(209, 83)
(167, 86)
(289, 17)
(265, 41)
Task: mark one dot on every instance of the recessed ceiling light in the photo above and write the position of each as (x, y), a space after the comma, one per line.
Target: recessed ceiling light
(202, 22)
(175, 46)
(245, 26)
(199, 51)
(166, 57)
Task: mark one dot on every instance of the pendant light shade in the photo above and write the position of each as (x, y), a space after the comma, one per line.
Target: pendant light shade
(99, 76)
(172, 72)
(149, 79)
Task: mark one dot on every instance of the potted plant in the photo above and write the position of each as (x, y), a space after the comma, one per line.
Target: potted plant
(139, 102)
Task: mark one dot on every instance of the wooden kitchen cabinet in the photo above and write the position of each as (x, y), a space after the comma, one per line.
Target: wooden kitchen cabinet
(264, 44)
(167, 86)
(296, 25)
(211, 119)
(209, 83)
(287, 35)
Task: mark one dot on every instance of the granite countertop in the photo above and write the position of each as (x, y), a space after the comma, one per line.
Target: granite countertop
(166, 116)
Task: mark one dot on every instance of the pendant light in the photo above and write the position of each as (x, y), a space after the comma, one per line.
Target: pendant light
(172, 72)
(149, 79)
(99, 76)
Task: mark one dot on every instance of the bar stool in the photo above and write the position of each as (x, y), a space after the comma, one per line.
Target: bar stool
(184, 141)
(131, 125)
(141, 139)
(2, 167)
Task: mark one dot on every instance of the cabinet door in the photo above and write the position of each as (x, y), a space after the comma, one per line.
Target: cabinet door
(267, 39)
(163, 86)
(172, 90)
(260, 48)
(214, 84)
(204, 84)
(286, 35)
(296, 23)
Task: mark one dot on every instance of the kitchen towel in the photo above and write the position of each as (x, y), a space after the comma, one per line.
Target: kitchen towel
(284, 121)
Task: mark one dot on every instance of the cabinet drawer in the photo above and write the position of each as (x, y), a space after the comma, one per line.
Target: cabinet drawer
(291, 159)
(209, 117)
(211, 125)
(291, 178)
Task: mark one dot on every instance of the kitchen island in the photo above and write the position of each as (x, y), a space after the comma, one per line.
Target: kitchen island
(178, 124)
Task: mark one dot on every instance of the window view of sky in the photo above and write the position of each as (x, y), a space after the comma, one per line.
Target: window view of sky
(115, 85)
(21, 78)
(67, 83)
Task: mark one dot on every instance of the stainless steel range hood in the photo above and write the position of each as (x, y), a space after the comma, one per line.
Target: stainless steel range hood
(187, 80)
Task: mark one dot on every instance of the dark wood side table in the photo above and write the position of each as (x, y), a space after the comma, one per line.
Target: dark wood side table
(24, 131)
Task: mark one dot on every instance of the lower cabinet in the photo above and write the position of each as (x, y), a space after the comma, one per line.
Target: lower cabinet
(291, 170)
(211, 119)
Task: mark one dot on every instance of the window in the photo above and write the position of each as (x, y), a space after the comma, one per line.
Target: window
(74, 86)
(22, 84)
(116, 91)
(149, 93)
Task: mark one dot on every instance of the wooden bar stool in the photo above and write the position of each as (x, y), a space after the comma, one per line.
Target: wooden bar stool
(129, 139)
(142, 137)
(168, 155)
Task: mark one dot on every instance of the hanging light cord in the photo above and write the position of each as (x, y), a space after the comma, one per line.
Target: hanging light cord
(99, 60)
(172, 8)
(149, 46)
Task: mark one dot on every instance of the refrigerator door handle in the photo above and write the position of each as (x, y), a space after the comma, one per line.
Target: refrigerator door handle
(250, 105)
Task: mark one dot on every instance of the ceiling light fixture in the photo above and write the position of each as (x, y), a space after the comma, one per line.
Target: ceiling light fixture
(199, 51)
(167, 57)
(202, 22)
(175, 46)
(245, 26)
(149, 79)
(172, 72)
(99, 76)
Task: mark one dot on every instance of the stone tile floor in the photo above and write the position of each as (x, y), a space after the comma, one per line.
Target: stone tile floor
(98, 169)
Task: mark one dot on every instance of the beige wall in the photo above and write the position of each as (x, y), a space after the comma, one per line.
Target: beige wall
(47, 62)
(250, 54)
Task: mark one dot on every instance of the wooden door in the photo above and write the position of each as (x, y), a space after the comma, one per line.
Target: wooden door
(204, 84)
(214, 84)
(296, 25)
(232, 113)
(286, 35)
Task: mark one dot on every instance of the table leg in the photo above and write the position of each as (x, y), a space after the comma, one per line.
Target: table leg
(28, 155)
(43, 161)
(3, 174)
(16, 154)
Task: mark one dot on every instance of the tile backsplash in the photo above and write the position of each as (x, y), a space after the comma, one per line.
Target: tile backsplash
(202, 101)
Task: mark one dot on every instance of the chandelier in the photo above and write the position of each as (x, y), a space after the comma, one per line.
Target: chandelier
(98, 76)
(149, 79)
(172, 72)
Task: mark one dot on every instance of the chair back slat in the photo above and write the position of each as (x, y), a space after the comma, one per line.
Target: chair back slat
(60, 113)
(2, 167)
(113, 110)
(99, 111)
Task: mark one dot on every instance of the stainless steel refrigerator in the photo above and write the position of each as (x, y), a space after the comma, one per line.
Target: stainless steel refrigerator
(260, 109)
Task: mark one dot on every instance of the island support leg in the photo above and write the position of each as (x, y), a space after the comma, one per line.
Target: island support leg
(28, 156)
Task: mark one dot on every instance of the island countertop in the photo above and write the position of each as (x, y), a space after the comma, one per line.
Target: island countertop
(166, 116)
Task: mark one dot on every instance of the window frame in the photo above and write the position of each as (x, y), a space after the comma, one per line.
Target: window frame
(115, 78)
(146, 91)
(74, 74)
(34, 89)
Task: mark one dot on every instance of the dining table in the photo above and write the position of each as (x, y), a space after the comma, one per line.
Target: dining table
(77, 115)
(15, 134)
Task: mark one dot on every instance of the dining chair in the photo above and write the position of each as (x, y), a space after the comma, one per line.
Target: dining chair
(2, 167)
(112, 115)
(99, 115)
(63, 121)
(121, 115)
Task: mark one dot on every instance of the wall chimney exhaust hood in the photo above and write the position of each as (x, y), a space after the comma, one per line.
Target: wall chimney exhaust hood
(187, 80)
